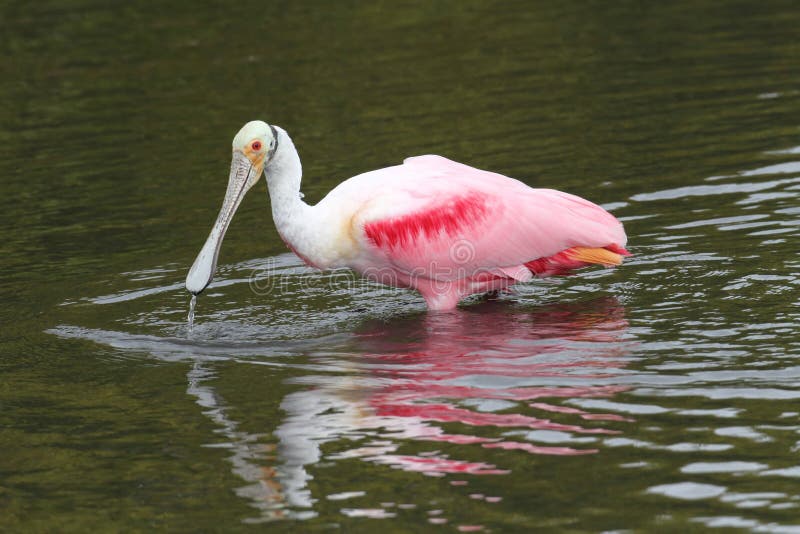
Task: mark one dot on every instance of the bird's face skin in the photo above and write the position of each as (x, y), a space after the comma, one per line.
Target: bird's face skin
(253, 148)
(256, 141)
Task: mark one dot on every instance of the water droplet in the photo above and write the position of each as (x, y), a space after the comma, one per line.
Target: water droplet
(190, 317)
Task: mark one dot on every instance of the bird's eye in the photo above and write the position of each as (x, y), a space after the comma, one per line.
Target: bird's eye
(256, 145)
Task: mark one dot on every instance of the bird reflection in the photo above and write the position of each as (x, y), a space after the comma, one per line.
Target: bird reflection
(482, 376)
(421, 393)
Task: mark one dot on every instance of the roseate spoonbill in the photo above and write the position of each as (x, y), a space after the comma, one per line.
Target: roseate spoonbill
(431, 224)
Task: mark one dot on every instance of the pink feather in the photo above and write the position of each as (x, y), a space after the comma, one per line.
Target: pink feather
(450, 230)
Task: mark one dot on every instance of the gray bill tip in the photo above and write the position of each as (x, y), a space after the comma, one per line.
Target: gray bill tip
(195, 283)
(194, 288)
(202, 271)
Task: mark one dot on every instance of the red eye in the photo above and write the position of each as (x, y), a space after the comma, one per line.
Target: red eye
(256, 145)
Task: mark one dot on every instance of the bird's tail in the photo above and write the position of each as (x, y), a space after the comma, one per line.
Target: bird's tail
(567, 260)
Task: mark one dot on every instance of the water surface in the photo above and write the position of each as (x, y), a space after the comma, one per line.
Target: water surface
(661, 395)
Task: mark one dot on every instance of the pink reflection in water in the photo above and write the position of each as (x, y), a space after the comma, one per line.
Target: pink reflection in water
(465, 378)
(437, 465)
(449, 358)
(583, 414)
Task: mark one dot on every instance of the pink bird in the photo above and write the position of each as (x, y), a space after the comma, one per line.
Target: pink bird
(443, 228)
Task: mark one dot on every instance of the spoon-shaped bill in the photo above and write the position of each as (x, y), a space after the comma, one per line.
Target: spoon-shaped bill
(243, 175)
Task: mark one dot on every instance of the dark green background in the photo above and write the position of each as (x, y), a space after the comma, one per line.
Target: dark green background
(115, 129)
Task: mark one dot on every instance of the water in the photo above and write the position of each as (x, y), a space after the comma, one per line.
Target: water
(190, 317)
(662, 395)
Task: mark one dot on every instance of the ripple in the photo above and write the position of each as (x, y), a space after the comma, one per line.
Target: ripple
(793, 150)
(688, 491)
(719, 220)
(751, 524)
(619, 406)
(722, 467)
(764, 495)
(724, 393)
(789, 167)
(791, 472)
(675, 447)
(345, 495)
(370, 513)
(744, 432)
(709, 190)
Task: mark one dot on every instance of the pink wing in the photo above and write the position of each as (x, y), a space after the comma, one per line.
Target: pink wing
(441, 219)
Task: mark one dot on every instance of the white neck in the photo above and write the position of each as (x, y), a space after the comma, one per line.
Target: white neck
(283, 174)
(299, 225)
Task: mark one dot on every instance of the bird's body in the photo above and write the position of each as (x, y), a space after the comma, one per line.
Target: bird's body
(445, 229)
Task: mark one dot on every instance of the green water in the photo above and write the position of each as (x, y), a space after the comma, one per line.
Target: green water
(659, 396)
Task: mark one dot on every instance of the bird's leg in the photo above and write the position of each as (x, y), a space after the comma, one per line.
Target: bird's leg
(440, 295)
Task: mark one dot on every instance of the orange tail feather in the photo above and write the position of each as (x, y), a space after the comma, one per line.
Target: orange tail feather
(567, 260)
(600, 256)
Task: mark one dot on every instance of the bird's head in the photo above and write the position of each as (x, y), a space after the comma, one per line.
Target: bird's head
(253, 149)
